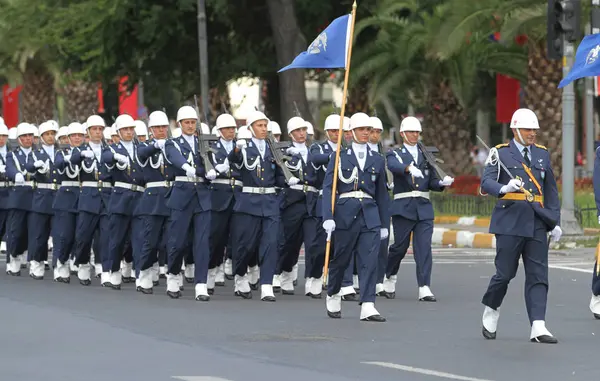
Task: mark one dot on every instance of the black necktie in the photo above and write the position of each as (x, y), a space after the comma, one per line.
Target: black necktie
(526, 157)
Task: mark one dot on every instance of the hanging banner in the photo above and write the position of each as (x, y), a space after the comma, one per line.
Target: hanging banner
(128, 100)
(10, 105)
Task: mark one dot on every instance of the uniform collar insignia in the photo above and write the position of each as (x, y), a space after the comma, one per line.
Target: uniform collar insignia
(181, 140)
(403, 150)
(540, 160)
(349, 152)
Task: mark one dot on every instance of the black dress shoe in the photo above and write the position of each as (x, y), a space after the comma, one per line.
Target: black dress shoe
(429, 298)
(315, 296)
(162, 276)
(254, 286)
(85, 282)
(73, 272)
(155, 283)
(115, 286)
(46, 267)
(244, 295)
(597, 316)
(220, 284)
(350, 298)
(36, 277)
(487, 334)
(268, 298)
(387, 295)
(174, 294)
(211, 291)
(97, 275)
(62, 280)
(126, 279)
(24, 266)
(228, 277)
(202, 298)
(545, 339)
(374, 318)
(18, 273)
(287, 292)
(295, 283)
(276, 289)
(334, 315)
(146, 291)
(189, 280)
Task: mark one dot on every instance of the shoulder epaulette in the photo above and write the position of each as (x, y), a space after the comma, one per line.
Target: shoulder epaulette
(541, 146)
(502, 145)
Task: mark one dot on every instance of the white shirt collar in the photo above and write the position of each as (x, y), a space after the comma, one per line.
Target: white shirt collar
(332, 145)
(26, 151)
(521, 146)
(190, 140)
(373, 147)
(360, 151)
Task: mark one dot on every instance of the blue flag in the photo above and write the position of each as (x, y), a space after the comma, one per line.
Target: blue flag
(328, 50)
(587, 60)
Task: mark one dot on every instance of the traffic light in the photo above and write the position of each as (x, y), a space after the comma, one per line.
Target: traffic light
(564, 21)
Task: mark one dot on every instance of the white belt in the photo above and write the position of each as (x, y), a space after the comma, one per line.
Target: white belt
(186, 179)
(259, 190)
(47, 186)
(398, 196)
(231, 182)
(304, 188)
(4, 184)
(69, 184)
(96, 184)
(158, 184)
(133, 187)
(320, 192)
(25, 184)
(355, 194)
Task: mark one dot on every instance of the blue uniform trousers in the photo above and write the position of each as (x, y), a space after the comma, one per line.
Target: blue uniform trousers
(383, 258)
(91, 228)
(251, 234)
(3, 216)
(534, 252)
(40, 226)
(219, 235)
(595, 282)
(152, 237)
(119, 232)
(422, 232)
(63, 235)
(314, 247)
(16, 232)
(183, 225)
(348, 281)
(362, 242)
(294, 221)
(135, 241)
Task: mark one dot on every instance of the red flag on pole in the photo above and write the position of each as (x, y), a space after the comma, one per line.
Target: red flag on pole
(10, 101)
(128, 100)
(507, 97)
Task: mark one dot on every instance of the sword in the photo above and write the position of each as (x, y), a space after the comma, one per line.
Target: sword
(528, 194)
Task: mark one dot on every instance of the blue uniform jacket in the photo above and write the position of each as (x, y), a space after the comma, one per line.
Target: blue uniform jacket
(371, 181)
(123, 201)
(320, 154)
(155, 169)
(516, 218)
(412, 208)
(4, 190)
(92, 200)
(224, 195)
(309, 177)
(20, 197)
(43, 199)
(178, 152)
(260, 173)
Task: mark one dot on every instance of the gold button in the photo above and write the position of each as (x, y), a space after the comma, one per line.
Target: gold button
(531, 190)
(262, 178)
(362, 182)
(263, 169)
(417, 185)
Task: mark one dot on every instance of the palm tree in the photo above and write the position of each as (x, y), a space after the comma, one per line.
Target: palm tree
(405, 58)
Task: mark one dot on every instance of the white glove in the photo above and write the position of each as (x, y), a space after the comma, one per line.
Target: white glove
(160, 144)
(211, 175)
(598, 216)
(447, 181)
(384, 233)
(67, 157)
(292, 151)
(122, 159)
(513, 186)
(222, 168)
(38, 164)
(556, 233)
(293, 181)
(88, 154)
(2, 168)
(329, 227)
(189, 170)
(241, 144)
(414, 171)
(19, 179)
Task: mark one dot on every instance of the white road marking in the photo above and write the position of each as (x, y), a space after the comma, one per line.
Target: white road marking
(589, 271)
(199, 378)
(427, 372)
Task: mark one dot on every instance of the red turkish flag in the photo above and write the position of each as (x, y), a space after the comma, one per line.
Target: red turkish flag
(10, 102)
(128, 100)
(507, 97)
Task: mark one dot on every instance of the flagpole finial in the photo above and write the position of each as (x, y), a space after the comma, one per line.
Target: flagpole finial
(354, 5)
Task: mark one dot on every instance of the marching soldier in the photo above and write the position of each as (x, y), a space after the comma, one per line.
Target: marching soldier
(361, 214)
(4, 190)
(190, 204)
(257, 219)
(127, 190)
(528, 208)
(595, 301)
(224, 190)
(62, 137)
(47, 181)
(19, 200)
(92, 206)
(141, 131)
(412, 211)
(153, 208)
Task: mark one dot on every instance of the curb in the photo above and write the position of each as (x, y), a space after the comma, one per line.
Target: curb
(463, 220)
(463, 238)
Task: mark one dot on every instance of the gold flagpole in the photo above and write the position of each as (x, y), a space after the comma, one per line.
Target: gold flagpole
(340, 137)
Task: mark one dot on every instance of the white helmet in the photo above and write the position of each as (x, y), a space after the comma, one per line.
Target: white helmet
(376, 123)
(76, 128)
(254, 116)
(140, 128)
(215, 131)
(124, 121)
(25, 128)
(186, 112)
(225, 121)
(332, 122)
(95, 120)
(107, 133)
(295, 123)
(524, 118)
(360, 119)
(85, 125)
(3, 128)
(158, 118)
(113, 130)
(177, 132)
(347, 124)
(35, 131)
(1, 120)
(12, 133)
(309, 128)
(410, 123)
(63, 131)
(205, 129)
(274, 128)
(244, 133)
(53, 123)
(47, 126)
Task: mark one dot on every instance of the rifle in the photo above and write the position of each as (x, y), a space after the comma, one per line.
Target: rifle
(388, 174)
(432, 160)
(278, 156)
(204, 140)
(169, 133)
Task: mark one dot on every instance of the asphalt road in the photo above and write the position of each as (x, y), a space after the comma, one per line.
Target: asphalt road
(63, 332)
